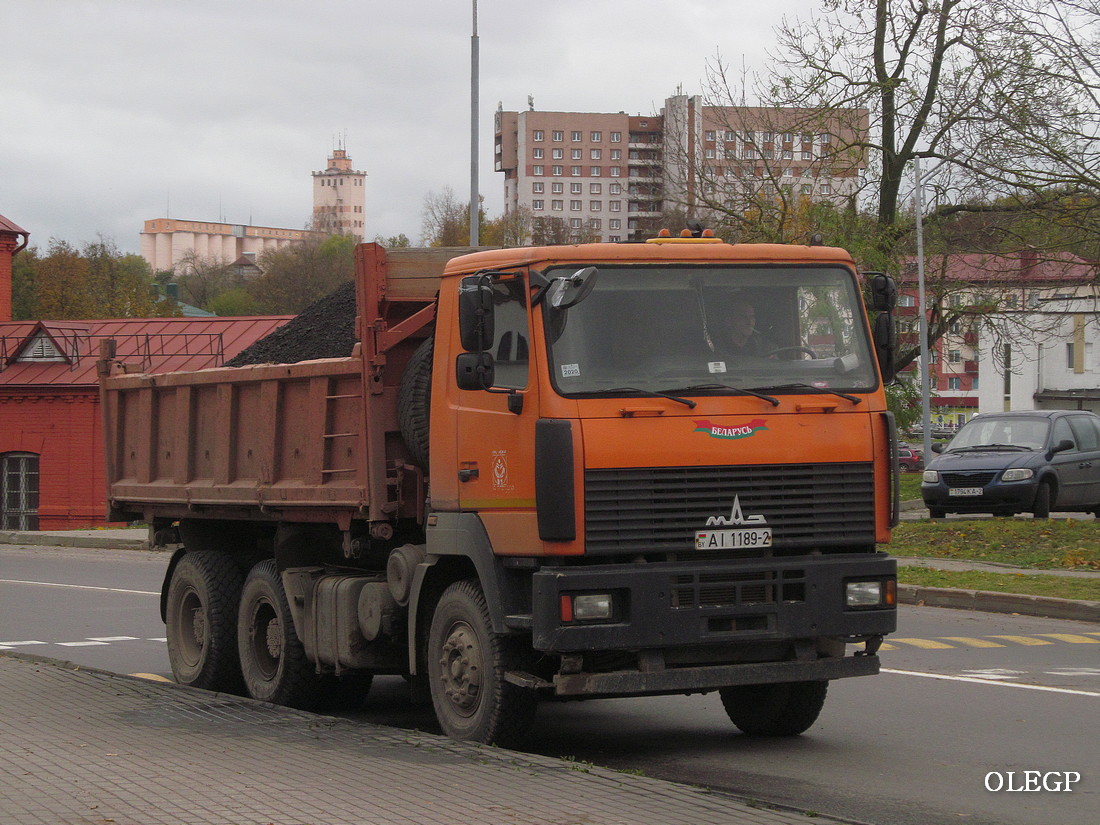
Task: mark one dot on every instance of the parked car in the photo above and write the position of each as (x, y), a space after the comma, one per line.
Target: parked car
(909, 458)
(1007, 463)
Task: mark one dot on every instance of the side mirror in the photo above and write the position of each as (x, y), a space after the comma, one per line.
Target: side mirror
(1060, 447)
(937, 447)
(475, 313)
(568, 292)
(884, 292)
(475, 371)
(885, 335)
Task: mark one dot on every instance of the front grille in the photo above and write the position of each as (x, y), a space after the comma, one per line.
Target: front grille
(659, 509)
(978, 478)
(729, 589)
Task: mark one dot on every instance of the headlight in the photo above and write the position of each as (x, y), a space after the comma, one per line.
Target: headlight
(1017, 474)
(931, 476)
(587, 607)
(877, 593)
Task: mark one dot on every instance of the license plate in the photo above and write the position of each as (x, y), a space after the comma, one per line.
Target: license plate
(965, 491)
(733, 539)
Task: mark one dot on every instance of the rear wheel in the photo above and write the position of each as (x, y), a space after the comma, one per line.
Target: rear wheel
(466, 664)
(784, 709)
(201, 621)
(273, 660)
(1044, 498)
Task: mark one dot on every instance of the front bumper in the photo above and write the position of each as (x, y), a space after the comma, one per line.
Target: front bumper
(997, 495)
(682, 604)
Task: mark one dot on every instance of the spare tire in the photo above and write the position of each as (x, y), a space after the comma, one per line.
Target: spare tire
(414, 399)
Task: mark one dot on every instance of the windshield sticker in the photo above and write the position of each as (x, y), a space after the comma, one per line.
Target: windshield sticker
(570, 370)
(733, 431)
(716, 366)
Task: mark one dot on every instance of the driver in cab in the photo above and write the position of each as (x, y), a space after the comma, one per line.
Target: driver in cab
(737, 333)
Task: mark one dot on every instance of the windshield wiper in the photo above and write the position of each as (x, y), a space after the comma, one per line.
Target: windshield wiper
(976, 447)
(742, 390)
(654, 394)
(799, 386)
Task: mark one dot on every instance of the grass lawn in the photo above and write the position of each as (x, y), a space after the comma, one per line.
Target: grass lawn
(1059, 587)
(1067, 544)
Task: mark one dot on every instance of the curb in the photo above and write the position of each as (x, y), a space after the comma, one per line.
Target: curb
(52, 540)
(989, 601)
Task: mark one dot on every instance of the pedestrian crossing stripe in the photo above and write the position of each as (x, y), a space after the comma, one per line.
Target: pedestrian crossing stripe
(993, 641)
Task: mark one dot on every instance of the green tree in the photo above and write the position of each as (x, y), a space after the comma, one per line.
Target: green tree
(24, 285)
(296, 276)
(233, 301)
(202, 279)
(121, 285)
(64, 283)
(399, 241)
(513, 228)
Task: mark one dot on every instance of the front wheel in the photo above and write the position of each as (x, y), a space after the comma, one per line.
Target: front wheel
(466, 663)
(200, 616)
(784, 709)
(1043, 500)
(273, 660)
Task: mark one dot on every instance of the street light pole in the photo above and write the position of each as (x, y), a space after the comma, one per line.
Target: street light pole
(925, 401)
(474, 200)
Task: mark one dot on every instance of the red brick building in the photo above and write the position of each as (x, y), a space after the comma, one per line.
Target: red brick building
(51, 445)
(12, 239)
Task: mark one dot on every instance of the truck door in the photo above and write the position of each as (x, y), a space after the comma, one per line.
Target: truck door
(496, 430)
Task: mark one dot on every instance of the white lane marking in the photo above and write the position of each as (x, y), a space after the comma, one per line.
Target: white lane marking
(28, 642)
(82, 587)
(112, 638)
(975, 680)
(158, 639)
(79, 644)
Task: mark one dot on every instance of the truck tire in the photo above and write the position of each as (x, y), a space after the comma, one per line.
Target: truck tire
(784, 709)
(414, 398)
(200, 619)
(273, 661)
(466, 665)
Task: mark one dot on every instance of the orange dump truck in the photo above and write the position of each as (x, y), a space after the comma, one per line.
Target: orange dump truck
(544, 473)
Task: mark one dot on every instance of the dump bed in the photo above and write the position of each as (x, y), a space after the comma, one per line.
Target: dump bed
(297, 442)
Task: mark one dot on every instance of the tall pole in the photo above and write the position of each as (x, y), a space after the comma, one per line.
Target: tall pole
(922, 314)
(475, 206)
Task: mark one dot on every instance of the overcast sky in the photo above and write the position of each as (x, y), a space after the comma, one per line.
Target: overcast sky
(117, 111)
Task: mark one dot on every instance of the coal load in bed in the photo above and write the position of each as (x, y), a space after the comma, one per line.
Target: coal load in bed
(324, 329)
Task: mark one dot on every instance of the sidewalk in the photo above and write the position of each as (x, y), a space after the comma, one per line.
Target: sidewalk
(88, 747)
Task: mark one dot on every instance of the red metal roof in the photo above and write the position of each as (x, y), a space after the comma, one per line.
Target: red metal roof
(1026, 268)
(8, 226)
(157, 344)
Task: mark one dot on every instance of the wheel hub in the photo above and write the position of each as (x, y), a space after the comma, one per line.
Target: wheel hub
(460, 669)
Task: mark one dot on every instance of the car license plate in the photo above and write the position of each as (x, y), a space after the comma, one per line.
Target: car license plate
(965, 491)
(733, 539)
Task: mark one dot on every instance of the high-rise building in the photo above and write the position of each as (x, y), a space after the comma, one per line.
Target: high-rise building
(339, 197)
(599, 176)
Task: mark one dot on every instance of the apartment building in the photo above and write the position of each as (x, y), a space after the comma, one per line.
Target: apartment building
(339, 197)
(610, 177)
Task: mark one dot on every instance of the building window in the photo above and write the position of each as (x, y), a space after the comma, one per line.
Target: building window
(557, 154)
(578, 137)
(825, 189)
(614, 188)
(954, 383)
(595, 189)
(596, 154)
(708, 135)
(536, 204)
(558, 135)
(614, 171)
(788, 137)
(788, 154)
(574, 206)
(575, 223)
(536, 154)
(616, 154)
(557, 187)
(615, 206)
(748, 152)
(537, 169)
(596, 137)
(576, 154)
(614, 238)
(555, 170)
(537, 134)
(595, 224)
(594, 206)
(824, 139)
(615, 223)
(907, 300)
(709, 152)
(594, 171)
(1069, 355)
(538, 187)
(807, 189)
(807, 155)
(19, 491)
(557, 206)
(954, 356)
(575, 171)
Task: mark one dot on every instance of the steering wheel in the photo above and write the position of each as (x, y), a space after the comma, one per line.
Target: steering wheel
(784, 350)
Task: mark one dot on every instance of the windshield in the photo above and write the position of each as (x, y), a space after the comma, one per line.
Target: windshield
(1029, 433)
(709, 329)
